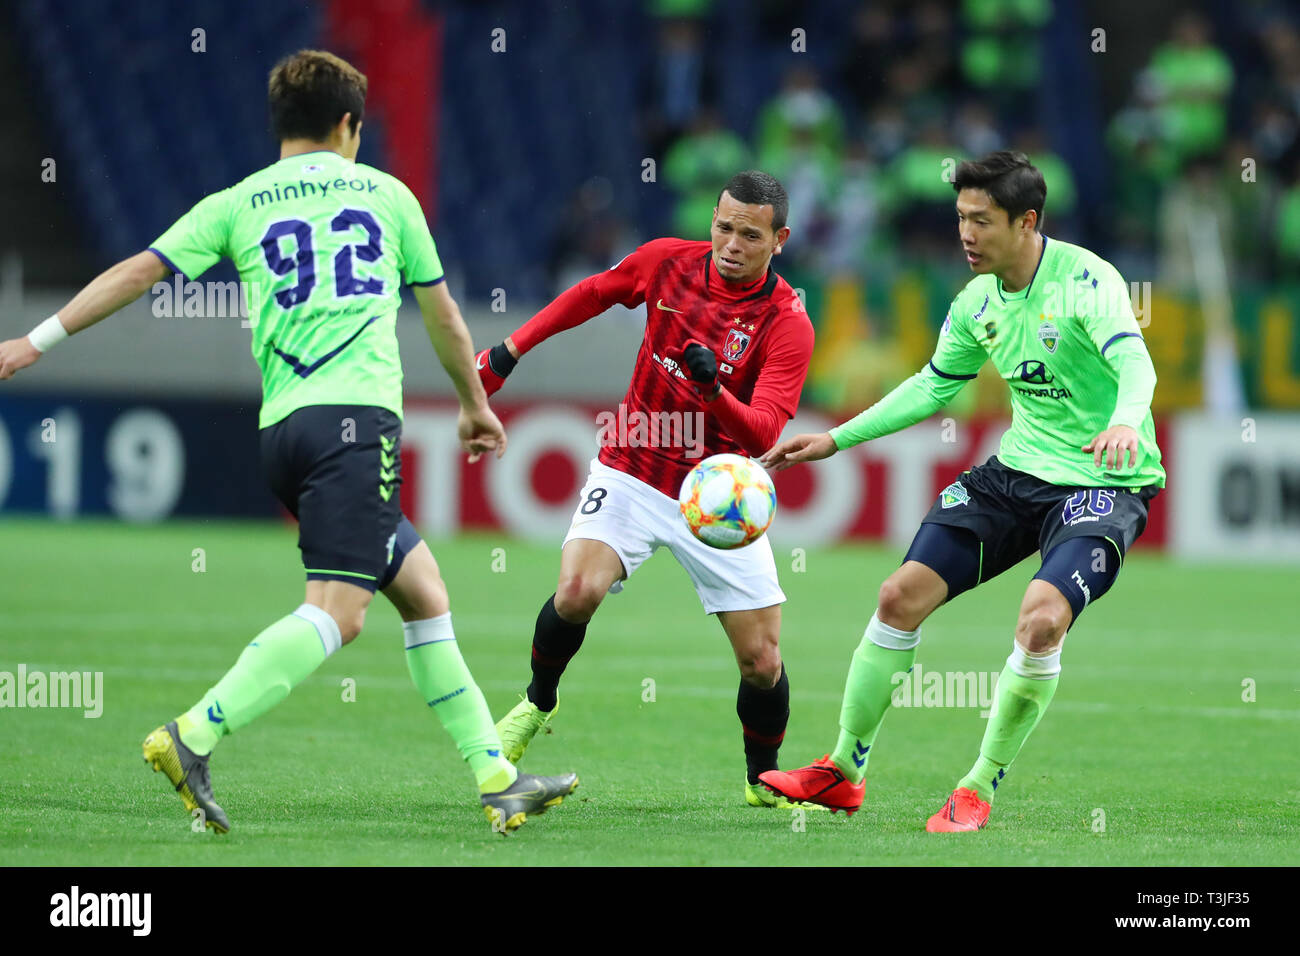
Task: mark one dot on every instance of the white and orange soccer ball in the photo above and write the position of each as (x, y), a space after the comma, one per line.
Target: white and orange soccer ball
(728, 501)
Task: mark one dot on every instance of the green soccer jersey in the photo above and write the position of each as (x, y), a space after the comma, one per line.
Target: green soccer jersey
(1069, 348)
(322, 246)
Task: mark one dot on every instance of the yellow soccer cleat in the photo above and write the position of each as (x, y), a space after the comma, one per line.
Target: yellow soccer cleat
(188, 772)
(756, 795)
(518, 728)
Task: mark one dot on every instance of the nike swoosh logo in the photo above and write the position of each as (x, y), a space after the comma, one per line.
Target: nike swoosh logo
(479, 363)
(661, 305)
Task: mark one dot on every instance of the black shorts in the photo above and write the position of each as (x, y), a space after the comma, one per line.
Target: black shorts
(337, 468)
(1014, 514)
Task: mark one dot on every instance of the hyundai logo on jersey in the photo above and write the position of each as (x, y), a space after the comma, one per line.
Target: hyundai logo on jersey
(1035, 373)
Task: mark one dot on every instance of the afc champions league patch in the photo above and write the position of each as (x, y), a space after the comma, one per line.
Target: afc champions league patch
(1049, 336)
(733, 350)
(954, 495)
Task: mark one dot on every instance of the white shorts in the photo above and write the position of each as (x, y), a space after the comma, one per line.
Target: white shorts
(636, 520)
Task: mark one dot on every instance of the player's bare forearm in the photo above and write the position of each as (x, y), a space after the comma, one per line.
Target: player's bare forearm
(106, 293)
(451, 341)
(798, 449)
(111, 290)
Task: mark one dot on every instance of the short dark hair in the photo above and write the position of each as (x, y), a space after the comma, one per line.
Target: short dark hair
(757, 188)
(310, 91)
(1009, 178)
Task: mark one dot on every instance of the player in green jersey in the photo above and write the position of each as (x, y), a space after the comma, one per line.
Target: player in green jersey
(323, 245)
(1071, 480)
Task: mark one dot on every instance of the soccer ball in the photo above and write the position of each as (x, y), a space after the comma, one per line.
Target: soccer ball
(727, 501)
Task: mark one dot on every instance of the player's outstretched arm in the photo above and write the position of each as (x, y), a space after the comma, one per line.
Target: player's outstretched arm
(914, 400)
(109, 291)
(479, 428)
(798, 449)
(571, 308)
(624, 284)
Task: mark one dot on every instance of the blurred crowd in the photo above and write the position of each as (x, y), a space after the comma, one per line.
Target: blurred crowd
(1202, 157)
(1206, 153)
(865, 147)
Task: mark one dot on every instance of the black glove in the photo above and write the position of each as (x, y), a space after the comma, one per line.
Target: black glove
(703, 367)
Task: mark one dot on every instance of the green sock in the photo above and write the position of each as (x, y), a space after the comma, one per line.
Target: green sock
(274, 663)
(440, 674)
(1025, 688)
(868, 692)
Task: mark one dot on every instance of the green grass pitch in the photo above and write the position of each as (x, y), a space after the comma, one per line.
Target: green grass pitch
(1149, 755)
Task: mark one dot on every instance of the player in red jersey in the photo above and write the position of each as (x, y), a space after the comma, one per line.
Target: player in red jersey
(725, 354)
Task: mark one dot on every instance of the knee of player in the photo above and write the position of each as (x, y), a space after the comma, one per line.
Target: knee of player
(576, 598)
(1042, 626)
(896, 606)
(762, 668)
(350, 621)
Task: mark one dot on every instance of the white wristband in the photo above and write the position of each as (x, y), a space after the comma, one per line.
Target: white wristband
(48, 334)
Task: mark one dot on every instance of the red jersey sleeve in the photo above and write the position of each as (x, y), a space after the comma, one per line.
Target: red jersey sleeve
(756, 426)
(623, 284)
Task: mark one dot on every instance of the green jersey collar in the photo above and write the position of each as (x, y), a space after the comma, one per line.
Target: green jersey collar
(1023, 293)
(311, 152)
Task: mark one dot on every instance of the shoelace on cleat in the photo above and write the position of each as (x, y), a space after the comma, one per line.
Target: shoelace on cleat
(530, 720)
(828, 765)
(965, 800)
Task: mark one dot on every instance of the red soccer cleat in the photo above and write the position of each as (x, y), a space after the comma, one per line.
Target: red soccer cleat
(963, 811)
(821, 783)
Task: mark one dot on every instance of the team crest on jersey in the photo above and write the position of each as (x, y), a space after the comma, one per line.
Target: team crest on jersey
(733, 350)
(1049, 336)
(954, 495)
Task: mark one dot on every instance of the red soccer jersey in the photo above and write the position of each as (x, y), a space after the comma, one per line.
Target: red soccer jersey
(760, 334)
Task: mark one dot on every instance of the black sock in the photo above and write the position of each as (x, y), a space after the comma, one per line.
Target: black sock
(763, 715)
(555, 641)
